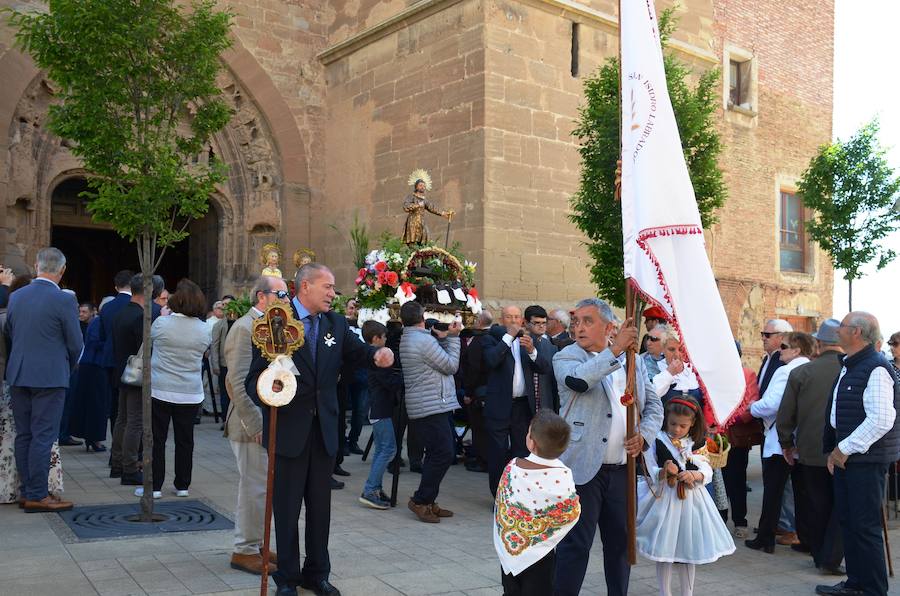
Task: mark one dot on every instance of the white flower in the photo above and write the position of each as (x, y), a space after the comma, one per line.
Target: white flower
(470, 265)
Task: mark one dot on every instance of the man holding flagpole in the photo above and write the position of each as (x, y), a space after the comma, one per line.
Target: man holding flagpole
(591, 379)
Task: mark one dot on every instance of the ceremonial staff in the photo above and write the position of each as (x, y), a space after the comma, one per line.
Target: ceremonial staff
(277, 335)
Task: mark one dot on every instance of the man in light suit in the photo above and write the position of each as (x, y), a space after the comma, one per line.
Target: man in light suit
(45, 339)
(591, 378)
(243, 428)
(306, 441)
(512, 360)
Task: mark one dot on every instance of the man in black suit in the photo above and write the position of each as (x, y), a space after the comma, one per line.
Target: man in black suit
(545, 394)
(306, 441)
(512, 359)
(771, 338)
(122, 283)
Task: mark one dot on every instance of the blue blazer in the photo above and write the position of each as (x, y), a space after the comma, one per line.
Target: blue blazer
(498, 359)
(44, 335)
(107, 314)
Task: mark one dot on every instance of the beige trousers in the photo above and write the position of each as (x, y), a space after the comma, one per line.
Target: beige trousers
(249, 517)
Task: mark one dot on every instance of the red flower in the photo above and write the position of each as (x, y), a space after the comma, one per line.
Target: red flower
(392, 278)
(382, 277)
(361, 275)
(380, 266)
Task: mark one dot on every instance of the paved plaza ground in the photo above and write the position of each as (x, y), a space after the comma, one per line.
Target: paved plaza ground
(373, 553)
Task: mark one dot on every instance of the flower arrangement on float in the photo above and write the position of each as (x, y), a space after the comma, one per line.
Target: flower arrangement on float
(439, 279)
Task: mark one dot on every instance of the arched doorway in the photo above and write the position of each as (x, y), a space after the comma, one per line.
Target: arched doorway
(95, 252)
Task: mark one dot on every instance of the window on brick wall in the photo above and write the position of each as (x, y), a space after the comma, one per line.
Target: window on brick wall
(739, 78)
(574, 61)
(792, 243)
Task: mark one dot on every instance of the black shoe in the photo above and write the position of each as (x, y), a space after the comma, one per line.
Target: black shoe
(339, 471)
(801, 548)
(114, 473)
(840, 589)
(833, 570)
(474, 466)
(133, 479)
(336, 484)
(345, 449)
(354, 449)
(286, 590)
(95, 447)
(320, 588)
(69, 442)
(416, 467)
(757, 544)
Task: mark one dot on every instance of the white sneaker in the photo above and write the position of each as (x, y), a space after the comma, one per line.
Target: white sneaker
(139, 492)
(180, 493)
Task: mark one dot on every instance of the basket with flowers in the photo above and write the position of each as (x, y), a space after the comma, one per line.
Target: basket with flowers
(716, 450)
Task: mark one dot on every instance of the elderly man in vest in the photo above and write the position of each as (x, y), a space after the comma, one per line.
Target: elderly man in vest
(591, 378)
(862, 437)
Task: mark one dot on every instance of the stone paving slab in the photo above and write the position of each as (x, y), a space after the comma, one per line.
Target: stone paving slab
(373, 553)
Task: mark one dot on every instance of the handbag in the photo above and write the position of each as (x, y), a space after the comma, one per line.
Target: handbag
(133, 375)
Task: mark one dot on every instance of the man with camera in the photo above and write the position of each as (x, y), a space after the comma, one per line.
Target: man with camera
(512, 361)
(430, 359)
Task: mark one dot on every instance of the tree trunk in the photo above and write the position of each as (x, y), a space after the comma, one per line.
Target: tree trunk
(147, 263)
(850, 295)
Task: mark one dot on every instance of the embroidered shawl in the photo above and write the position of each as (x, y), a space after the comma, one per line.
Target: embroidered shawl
(533, 511)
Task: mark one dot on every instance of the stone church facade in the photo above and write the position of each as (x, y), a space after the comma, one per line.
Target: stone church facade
(336, 102)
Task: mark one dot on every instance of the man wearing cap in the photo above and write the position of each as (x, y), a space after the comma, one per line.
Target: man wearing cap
(653, 316)
(862, 438)
(801, 418)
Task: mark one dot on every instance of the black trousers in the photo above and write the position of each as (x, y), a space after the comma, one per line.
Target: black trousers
(735, 476)
(182, 418)
(814, 506)
(436, 437)
(475, 411)
(303, 480)
(537, 580)
(776, 472)
(506, 440)
(224, 400)
(858, 493)
(602, 506)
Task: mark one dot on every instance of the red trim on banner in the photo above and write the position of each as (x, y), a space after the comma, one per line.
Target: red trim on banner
(676, 230)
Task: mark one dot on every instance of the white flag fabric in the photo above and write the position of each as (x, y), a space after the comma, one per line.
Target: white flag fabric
(665, 257)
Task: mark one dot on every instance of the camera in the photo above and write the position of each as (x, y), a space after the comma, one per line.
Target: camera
(521, 333)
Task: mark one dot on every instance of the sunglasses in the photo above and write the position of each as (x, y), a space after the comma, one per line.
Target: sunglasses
(282, 294)
(893, 344)
(768, 334)
(786, 347)
(652, 339)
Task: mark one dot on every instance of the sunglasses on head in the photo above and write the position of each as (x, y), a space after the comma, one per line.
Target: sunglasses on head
(768, 334)
(282, 294)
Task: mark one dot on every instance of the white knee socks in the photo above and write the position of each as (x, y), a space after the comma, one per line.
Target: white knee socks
(685, 578)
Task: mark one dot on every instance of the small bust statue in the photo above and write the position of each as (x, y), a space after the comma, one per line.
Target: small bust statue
(303, 256)
(270, 257)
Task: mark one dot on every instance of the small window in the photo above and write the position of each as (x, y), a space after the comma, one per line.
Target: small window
(792, 238)
(739, 77)
(574, 57)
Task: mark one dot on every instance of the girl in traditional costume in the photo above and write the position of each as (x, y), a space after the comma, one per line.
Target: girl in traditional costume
(536, 507)
(677, 522)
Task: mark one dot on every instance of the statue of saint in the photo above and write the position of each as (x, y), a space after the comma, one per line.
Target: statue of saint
(415, 231)
(270, 257)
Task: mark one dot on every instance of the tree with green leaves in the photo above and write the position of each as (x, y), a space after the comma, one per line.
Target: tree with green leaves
(852, 191)
(596, 211)
(138, 101)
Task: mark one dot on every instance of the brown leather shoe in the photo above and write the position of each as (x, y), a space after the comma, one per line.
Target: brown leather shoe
(435, 509)
(21, 501)
(423, 512)
(273, 556)
(46, 504)
(787, 539)
(250, 564)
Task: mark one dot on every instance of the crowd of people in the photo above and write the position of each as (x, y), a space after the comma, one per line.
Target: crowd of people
(541, 393)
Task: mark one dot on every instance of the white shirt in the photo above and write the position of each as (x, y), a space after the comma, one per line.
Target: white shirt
(767, 406)
(878, 401)
(618, 426)
(518, 386)
(684, 381)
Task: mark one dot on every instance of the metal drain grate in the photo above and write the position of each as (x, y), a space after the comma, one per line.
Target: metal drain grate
(111, 521)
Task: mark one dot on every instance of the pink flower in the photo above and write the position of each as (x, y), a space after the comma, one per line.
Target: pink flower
(392, 278)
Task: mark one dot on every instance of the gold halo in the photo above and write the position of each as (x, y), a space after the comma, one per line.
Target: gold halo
(422, 175)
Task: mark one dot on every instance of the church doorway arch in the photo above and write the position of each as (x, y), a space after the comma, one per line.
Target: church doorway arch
(95, 252)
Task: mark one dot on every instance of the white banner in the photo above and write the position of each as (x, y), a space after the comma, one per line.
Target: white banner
(661, 232)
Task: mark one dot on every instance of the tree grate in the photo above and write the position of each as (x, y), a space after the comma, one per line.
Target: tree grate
(112, 521)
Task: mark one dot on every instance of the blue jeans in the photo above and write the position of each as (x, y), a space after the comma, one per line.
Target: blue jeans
(786, 518)
(385, 447)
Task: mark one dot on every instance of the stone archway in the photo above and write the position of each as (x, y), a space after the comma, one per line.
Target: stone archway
(252, 198)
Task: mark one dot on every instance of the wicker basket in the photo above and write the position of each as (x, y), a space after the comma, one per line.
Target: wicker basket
(716, 460)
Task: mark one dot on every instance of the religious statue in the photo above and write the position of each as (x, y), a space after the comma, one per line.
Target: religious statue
(270, 257)
(303, 256)
(415, 231)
